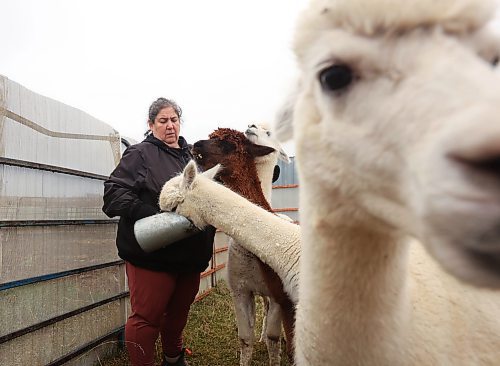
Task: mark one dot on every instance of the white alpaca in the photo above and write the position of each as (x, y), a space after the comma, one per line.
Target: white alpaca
(261, 134)
(397, 137)
(243, 272)
(274, 240)
(440, 320)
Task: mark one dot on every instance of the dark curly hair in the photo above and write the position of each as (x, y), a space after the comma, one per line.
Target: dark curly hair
(158, 105)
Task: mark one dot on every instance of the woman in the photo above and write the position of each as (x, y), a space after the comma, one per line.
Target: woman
(163, 284)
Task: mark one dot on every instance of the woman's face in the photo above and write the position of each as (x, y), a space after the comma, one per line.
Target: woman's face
(166, 127)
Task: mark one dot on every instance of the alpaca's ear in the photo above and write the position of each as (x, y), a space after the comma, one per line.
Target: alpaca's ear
(283, 125)
(260, 150)
(212, 172)
(283, 128)
(189, 175)
(283, 156)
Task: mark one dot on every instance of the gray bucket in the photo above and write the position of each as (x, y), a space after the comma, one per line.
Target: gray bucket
(158, 231)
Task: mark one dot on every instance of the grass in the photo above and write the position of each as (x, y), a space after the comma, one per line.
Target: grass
(211, 334)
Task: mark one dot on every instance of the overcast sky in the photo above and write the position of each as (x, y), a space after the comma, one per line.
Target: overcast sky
(227, 63)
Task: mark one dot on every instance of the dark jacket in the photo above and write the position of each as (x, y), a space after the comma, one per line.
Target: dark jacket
(132, 192)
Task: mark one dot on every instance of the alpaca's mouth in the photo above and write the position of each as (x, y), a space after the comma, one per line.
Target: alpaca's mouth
(472, 257)
(489, 166)
(477, 267)
(488, 261)
(251, 135)
(466, 240)
(197, 155)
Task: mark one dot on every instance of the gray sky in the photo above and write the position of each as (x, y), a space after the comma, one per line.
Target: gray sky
(227, 63)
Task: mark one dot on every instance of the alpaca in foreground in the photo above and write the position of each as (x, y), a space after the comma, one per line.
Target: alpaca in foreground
(433, 319)
(401, 102)
(247, 276)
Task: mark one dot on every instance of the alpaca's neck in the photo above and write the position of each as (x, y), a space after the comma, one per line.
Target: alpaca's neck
(354, 271)
(248, 186)
(275, 241)
(265, 170)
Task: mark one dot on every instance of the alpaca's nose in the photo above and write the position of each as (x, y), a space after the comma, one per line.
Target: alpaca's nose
(250, 129)
(483, 159)
(488, 165)
(197, 151)
(474, 143)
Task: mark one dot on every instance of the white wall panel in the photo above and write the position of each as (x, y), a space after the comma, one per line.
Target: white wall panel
(34, 251)
(28, 194)
(23, 306)
(39, 129)
(54, 341)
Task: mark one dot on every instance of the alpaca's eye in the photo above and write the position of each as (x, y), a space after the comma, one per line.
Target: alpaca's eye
(336, 77)
(268, 133)
(494, 61)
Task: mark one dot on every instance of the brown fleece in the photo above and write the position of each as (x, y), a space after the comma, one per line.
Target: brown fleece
(239, 171)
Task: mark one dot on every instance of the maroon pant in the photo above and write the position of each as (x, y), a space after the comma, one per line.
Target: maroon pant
(160, 305)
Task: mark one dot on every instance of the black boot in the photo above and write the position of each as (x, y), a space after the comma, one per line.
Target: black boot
(180, 362)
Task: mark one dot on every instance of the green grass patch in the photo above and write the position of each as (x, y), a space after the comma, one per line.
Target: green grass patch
(212, 335)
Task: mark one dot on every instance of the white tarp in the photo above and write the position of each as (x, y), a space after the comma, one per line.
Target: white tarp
(38, 129)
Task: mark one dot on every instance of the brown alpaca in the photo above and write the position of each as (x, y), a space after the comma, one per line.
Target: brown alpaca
(237, 155)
